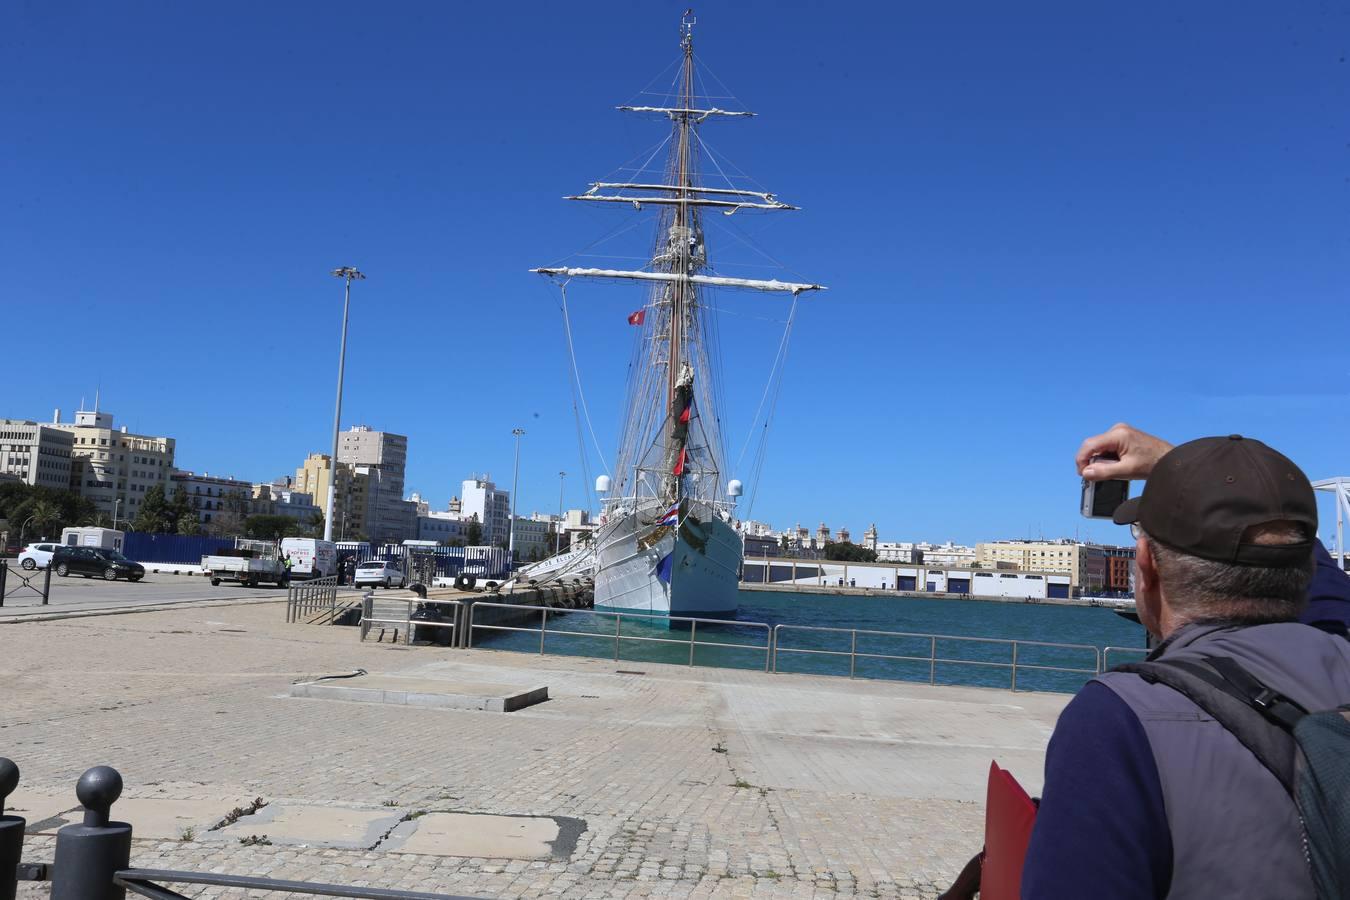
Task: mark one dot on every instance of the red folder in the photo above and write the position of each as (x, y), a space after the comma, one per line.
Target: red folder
(1008, 817)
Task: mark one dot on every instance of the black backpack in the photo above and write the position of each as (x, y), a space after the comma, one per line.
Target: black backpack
(1309, 752)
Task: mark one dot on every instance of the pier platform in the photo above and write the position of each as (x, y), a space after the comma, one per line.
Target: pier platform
(631, 780)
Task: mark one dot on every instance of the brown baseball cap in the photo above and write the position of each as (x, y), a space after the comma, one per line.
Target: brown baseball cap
(1202, 496)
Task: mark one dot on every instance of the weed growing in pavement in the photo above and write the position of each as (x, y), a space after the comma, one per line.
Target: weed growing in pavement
(254, 840)
(187, 834)
(239, 812)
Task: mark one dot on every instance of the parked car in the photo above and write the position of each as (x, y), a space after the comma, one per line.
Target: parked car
(95, 561)
(379, 572)
(37, 556)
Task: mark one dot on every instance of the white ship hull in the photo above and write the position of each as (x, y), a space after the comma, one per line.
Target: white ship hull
(697, 582)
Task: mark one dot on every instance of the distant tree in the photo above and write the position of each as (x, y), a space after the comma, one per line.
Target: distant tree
(189, 524)
(846, 551)
(228, 519)
(474, 538)
(46, 516)
(180, 508)
(269, 528)
(153, 515)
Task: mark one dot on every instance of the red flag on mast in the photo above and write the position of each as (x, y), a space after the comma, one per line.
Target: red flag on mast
(638, 317)
(679, 463)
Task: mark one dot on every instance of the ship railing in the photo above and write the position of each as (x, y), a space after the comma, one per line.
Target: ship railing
(1134, 655)
(617, 635)
(1015, 661)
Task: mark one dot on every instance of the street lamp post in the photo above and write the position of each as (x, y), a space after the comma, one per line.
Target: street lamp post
(22, 528)
(515, 478)
(350, 274)
(557, 541)
(117, 502)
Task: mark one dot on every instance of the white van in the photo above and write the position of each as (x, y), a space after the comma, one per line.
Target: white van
(310, 558)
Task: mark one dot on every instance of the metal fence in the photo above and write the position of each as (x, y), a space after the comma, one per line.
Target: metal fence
(418, 614)
(617, 635)
(319, 601)
(1013, 664)
(93, 858)
(1134, 655)
(16, 583)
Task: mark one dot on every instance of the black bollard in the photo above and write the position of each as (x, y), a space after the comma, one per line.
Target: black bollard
(89, 854)
(11, 832)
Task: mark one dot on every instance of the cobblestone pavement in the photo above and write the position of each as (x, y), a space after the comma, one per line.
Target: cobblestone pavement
(691, 782)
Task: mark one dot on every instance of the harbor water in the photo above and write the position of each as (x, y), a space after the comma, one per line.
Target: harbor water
(962, 642)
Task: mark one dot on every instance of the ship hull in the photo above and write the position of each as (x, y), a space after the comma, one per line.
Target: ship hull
(701, 578)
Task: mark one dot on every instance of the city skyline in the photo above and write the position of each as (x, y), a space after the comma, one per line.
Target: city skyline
(1074, 217)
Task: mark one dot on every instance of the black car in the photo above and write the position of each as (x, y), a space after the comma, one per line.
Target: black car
(90, 561)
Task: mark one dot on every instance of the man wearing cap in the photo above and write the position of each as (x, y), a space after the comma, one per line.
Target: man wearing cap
(1145, 795)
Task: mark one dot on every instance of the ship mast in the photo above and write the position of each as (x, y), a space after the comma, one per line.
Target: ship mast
(683, 181)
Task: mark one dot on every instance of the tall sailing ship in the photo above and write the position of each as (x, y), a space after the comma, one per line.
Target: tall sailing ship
(667, 541)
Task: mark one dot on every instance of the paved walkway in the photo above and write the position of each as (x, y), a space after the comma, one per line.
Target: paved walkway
(75, 593)
(687, 782)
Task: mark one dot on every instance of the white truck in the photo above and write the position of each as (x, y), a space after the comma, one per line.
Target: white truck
(251, 563)
(310, 558)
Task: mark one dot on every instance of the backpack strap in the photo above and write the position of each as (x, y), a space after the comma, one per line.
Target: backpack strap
(1259, 717)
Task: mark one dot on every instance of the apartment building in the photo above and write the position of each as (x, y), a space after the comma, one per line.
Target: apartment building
(113, 467)
(480, 497)
(220, 501)
(36, 454)
(1066, 556)
(381, 457)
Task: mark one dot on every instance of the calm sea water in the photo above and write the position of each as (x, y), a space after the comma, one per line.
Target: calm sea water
(742, 643)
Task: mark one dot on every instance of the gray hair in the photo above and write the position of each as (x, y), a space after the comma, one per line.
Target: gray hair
(1200, 589)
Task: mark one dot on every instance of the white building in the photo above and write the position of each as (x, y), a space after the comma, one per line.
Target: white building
(221, 502)
(36, 454)
(443, 528)
(492, 507)
(948, 554)
(113, 468)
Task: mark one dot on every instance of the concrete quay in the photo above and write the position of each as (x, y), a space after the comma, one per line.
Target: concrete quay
(632, 780)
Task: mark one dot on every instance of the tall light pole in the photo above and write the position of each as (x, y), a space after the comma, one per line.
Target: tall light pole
(350, 274)
(511, 541)
(557, 541)
(117, 501)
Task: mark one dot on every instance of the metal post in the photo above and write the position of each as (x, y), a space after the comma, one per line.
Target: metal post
(4, 576)
(515, 479)
(46, 585)
(932, 658)
(852, 651)
(557, 539)
(1014, 666)
(347, 273)
(11, 832)
(693, 637)
(407, 624)
(88, 855)
(543, 629)
(618, 624)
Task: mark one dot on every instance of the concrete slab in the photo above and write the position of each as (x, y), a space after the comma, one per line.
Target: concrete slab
(486, 836)
(43, 812)
(313, 826)
(160, 818)
(428, 693)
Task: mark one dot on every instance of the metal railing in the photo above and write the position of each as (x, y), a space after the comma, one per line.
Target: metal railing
(309, 600)
(24, 582)
(618, 636)
(1136, 654)
(408, 621)
(93, 858)
(1013, 665)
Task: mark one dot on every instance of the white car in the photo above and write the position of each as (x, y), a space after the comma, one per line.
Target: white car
(378, 572)
(37, 556)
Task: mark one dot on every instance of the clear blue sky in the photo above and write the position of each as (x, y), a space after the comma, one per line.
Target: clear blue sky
(1034, 219)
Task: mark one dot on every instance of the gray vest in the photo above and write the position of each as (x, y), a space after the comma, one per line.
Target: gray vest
(1235, 832)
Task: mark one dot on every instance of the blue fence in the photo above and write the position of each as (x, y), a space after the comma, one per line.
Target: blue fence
(171, 548)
